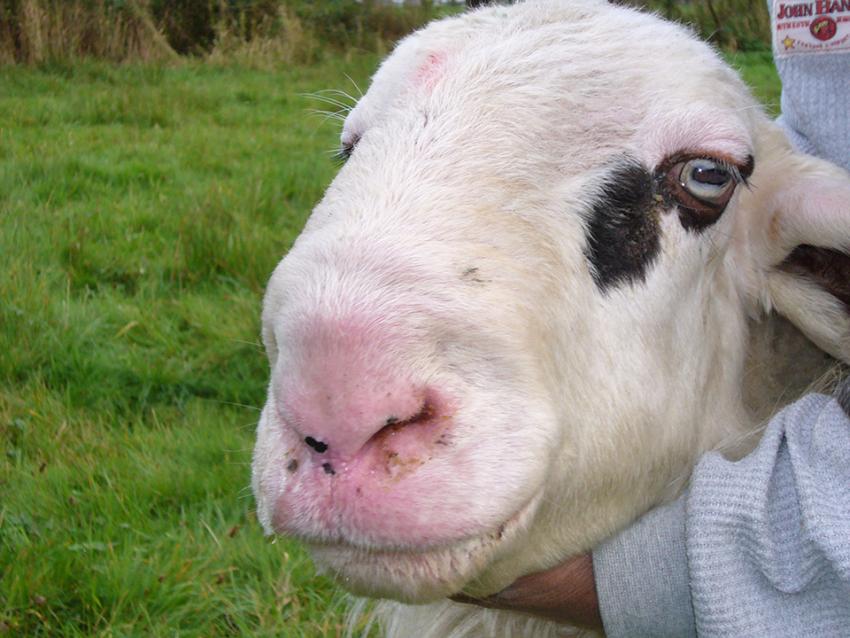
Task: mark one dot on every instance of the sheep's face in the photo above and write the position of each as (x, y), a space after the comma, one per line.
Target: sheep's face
(517, 313)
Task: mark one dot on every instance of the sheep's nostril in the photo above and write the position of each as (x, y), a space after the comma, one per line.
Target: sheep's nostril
(338, 416)
(319, 446)
(393, 424)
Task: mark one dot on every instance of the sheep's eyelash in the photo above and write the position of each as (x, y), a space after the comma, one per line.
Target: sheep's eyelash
(740, 173)
(733, 169)
(346, 149)
(342, 154)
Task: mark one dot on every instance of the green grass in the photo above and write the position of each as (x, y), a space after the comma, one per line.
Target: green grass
(141, 211)
(757, 69)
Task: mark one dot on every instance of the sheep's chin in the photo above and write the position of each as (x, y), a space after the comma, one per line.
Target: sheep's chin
(421, 577)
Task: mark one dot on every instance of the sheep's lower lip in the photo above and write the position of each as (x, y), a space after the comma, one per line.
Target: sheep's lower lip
(419, 576)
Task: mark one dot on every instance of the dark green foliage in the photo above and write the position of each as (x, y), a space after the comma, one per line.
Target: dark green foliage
(39, 31)
(191, 25)
(347, 23)
(736, 25)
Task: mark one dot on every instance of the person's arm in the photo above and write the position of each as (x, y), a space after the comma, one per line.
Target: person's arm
(637, 581)
(642, 578)
(758, 547)
(768, 537)
(815, 88)
(566, 594)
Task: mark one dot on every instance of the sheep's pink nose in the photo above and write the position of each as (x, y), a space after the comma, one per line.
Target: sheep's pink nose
(343, 390)
(340, 420)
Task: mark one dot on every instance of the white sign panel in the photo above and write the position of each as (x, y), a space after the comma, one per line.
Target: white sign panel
(817, 26)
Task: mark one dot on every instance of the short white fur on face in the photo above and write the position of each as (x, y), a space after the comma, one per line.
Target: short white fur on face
(506, 278)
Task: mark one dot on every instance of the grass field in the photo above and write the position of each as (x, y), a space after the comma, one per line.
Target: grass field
(141, 211)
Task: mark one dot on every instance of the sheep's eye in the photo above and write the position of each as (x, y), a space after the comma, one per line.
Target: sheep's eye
(700, 187)
(346, 148)
(708, 181)
(344, 152)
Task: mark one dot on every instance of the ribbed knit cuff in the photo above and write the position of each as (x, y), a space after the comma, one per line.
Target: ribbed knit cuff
(642, 578)
(767, 535)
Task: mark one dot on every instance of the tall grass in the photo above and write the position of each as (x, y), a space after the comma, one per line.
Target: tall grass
(36, 31)
(256, 32)
(276, 37)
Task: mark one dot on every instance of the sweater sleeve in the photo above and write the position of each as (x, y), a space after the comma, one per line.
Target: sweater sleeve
(642, 578)
(768, 537)
(758, 547)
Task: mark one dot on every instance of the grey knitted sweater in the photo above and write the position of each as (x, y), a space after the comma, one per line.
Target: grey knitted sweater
(760, 547)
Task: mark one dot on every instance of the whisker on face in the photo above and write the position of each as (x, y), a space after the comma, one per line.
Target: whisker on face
(326, 115)
(356, 86)
(342, 94)
(327, 99)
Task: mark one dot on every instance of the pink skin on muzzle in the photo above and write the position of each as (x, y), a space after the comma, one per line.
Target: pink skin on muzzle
(371, 459)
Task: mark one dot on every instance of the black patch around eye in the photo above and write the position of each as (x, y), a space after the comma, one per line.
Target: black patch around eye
(623, 234)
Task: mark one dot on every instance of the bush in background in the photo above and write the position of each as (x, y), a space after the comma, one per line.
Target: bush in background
(37, 31)
(735, 25)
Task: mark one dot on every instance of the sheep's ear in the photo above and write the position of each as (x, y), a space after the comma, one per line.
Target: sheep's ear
(797, 218)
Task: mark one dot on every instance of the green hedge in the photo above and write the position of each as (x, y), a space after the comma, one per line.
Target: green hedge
(735, 25)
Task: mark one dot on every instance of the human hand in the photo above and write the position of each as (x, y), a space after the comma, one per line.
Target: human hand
(566, 594)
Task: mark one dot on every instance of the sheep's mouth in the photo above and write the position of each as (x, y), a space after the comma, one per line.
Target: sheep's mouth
(420, 575)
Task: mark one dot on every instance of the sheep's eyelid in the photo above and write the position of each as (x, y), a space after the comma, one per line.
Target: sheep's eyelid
(342, 153)
(346, 147)
(733, 169)
(740, 172)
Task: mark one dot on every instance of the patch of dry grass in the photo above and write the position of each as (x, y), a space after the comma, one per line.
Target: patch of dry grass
(254, 33)
(37, 31)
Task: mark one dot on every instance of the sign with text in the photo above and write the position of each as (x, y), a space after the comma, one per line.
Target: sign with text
(817, 26)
